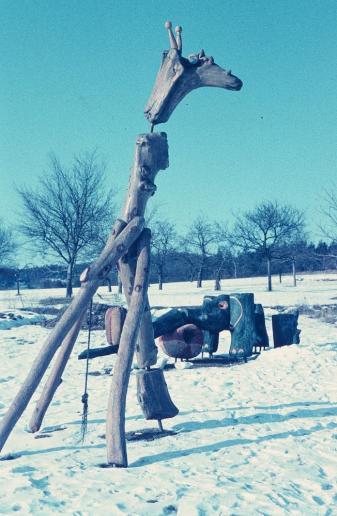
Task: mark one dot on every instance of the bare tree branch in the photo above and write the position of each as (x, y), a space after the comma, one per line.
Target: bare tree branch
(267, 230)
(69, 213)
(7, 243)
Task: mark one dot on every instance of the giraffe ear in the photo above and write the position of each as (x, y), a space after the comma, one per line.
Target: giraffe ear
(172, 39)
(178, 31)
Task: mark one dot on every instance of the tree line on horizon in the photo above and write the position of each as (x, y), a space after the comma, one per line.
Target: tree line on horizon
(68, 215)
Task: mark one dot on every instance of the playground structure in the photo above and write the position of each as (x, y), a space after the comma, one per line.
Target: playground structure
(185, 332)
(128, 246)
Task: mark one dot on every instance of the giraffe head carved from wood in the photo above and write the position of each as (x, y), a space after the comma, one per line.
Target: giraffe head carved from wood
(178, 76)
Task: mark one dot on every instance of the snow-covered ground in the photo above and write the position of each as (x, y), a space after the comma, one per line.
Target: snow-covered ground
(255, 438)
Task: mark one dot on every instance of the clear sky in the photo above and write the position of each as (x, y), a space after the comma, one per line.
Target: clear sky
(76, 74)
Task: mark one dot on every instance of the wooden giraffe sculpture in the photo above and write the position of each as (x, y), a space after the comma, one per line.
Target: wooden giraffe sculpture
(128, 245)
(178, 76)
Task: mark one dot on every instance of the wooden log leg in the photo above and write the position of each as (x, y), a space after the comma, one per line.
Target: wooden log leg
(151, 155)
(146, 350)
(55, 377)
(42, 362)
(115, 426)
(110, 255)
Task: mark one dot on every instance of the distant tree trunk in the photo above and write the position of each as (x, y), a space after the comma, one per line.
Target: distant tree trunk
(17, 277)
(294, 272)
(269, 273)
(280, 276)
(109, 284)
(160, 272)
(199, 279)
(217, 283)
(120, 286)
(235, 268)
(70, 271)
(191, 274)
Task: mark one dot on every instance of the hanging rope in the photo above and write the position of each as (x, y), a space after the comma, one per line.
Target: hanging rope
(85, 395)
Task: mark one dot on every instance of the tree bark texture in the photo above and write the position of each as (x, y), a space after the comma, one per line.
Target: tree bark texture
(243, 332)
(122, 236)
(285, 331)
(115, 427)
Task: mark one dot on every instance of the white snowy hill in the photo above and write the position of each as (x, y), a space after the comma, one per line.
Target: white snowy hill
(255, 438)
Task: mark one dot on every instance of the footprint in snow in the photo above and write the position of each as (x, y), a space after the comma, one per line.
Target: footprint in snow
(6, 379)
(25, 470)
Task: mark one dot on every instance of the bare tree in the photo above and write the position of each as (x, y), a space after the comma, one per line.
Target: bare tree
(223, 257)
(329, 229)
(67, 213)
(7, 243)
(200, 238)
(222, 261)
(164, 243)
(266, 230)
(296, 248)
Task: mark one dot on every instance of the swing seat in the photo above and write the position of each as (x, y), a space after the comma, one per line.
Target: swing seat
(184, 342)
(114, 320)
(153, 395)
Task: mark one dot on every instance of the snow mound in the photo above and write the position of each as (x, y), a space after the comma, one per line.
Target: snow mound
(14, 318)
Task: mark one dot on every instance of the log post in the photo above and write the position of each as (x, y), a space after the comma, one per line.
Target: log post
(115, 426)
(153, 395)
(285, 331)
(260, 327)
(119, 241)
(55, 377)
(146, 350)
(151, 155)
(243, 332)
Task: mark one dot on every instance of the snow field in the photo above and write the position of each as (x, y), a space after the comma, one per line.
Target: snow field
(255, 438)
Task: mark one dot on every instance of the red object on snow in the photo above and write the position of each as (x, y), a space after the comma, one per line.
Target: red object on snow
(184, 342)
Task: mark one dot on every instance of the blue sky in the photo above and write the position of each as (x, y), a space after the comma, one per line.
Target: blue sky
(76, 75)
